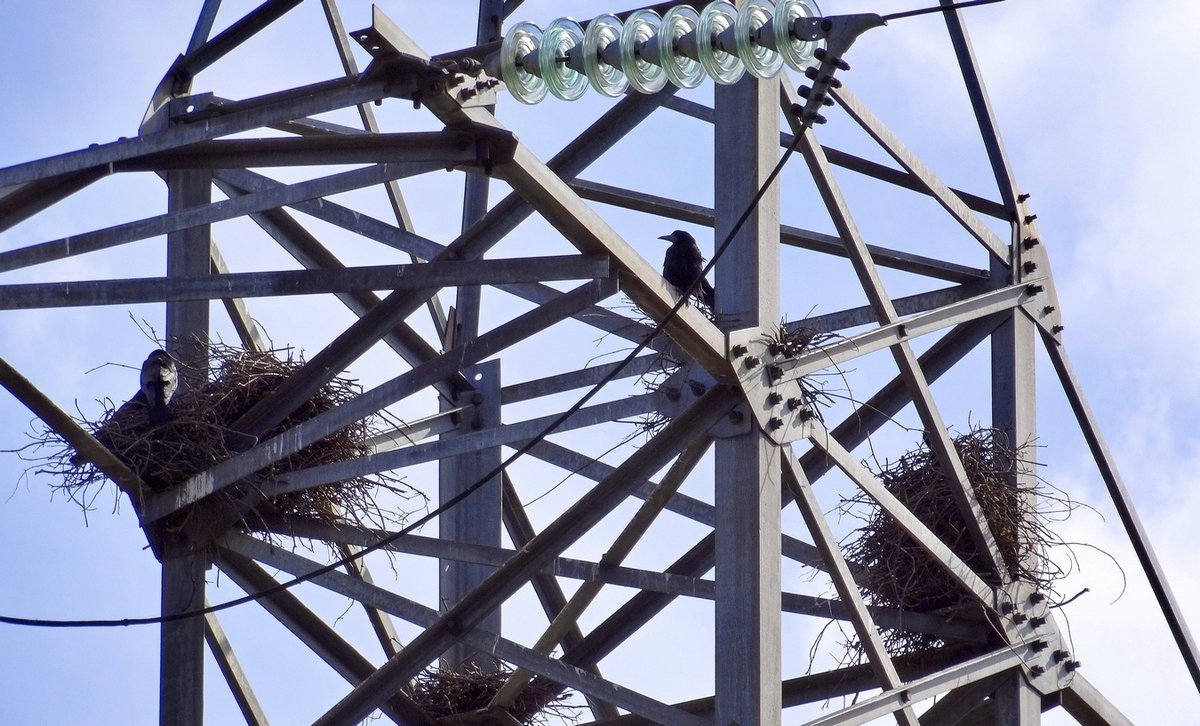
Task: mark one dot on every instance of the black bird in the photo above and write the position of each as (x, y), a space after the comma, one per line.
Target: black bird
(159, 381)
(683, 264)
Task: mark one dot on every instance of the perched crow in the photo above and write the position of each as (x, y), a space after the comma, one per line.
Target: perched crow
(159, 381)
(683, 264)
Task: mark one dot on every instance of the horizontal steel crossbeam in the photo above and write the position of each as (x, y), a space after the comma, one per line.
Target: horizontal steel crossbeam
(300, 282)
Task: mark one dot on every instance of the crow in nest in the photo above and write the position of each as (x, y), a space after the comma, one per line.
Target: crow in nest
(683, 264)
(159, 381)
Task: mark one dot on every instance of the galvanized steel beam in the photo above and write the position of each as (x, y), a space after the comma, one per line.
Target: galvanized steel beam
(231, 669)
(1088, 706)
(299, 282)
(1122, 502)
(197, 216)
(232, 118)
(921, 688)
(854, 163)
(181, 642)
(932, 185)
(448, 447)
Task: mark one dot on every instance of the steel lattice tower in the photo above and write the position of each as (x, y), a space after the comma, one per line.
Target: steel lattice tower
(727, 400)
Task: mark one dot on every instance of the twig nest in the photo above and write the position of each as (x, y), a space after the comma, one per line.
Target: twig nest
(894, 571)
(199, 435)
(462, 697)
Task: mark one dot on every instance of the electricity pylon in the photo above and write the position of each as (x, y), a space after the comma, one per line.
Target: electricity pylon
(726, 390)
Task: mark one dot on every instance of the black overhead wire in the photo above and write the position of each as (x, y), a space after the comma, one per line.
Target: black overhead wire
(937, 9)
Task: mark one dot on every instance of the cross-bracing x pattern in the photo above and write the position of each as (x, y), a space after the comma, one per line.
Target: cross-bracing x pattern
(1006, 657)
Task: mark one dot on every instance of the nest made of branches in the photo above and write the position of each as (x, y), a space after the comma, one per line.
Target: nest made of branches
(894, 571)
(199, 435)
(443, 693)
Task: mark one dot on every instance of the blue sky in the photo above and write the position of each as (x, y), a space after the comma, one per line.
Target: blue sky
(1094, 102)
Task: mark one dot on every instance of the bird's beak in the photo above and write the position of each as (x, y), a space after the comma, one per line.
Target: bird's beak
(668, 237)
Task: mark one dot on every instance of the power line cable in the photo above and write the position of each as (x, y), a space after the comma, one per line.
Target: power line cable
(937, 9)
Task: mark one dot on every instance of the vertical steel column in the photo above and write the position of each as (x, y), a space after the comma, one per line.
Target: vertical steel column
(181, 665)
(1017, 704)
(477, 518)
(748, 652)
(1014, 412)
(475, 191)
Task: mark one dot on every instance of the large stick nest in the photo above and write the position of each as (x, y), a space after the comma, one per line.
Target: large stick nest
(444, 694)
(198, 435)
(894, 571)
